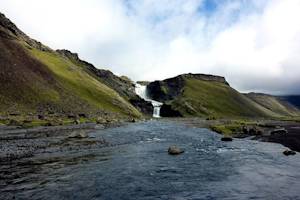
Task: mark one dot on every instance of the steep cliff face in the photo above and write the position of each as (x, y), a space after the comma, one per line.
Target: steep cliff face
(36, 79)
(205, 95)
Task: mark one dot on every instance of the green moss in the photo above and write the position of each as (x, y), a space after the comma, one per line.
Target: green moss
(164, 89)
(228, 129)
(34, 123)
(222, 129)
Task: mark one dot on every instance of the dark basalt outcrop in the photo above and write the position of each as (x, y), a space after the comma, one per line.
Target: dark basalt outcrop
(143, 106)
(163, 91)
(123, 85)
(167, 111)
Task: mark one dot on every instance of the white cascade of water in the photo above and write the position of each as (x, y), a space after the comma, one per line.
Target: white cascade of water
(141, 90)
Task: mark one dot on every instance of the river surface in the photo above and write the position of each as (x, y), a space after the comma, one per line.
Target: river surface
(136, 165)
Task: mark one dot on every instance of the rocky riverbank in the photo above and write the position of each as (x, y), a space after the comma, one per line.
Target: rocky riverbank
(286, 133)
(17, 142)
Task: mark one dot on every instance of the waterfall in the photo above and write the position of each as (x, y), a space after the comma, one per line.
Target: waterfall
(141, 90)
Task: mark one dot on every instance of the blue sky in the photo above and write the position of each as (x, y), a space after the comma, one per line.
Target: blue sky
(253, 43)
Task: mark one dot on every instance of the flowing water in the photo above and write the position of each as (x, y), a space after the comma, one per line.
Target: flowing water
(136, 165)
(141, 90)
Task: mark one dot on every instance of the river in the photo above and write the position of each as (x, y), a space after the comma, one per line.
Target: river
(136, 165)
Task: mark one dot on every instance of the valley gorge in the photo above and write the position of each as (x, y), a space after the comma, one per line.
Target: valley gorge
(70, 130)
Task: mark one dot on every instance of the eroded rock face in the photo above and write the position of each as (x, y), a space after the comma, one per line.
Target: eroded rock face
(142, 105)
(166, 90)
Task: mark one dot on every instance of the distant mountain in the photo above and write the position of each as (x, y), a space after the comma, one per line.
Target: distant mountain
(275, 104)
(35, 79)
(292, 99)
(207, 95)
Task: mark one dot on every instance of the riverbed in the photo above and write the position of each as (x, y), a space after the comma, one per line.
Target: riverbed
(131, 162)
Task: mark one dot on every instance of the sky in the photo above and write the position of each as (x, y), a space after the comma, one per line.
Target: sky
(255, 44)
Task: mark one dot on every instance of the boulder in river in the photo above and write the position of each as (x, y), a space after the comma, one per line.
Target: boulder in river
(288, 152)
(174, 150)
(78, 134)
(279, 131)
(226, 139)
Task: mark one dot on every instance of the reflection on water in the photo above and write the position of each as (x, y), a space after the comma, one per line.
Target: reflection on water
(136, 166)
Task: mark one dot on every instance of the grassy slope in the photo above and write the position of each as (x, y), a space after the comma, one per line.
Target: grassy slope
(36, 81)
(86, 87)
(24, 82)
(210, 98)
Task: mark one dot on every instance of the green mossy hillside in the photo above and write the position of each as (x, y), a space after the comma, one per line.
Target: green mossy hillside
(85, 87)
(212, 98)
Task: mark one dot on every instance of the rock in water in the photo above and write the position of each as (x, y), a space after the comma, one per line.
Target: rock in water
(279, 131)
(173, 150)
(78, 134)
(288, 152)
(226, 139)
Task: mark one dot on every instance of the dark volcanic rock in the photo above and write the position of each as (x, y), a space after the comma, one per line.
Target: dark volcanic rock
(174, 150)
(142, 105)
(251, 130)
(168, 89)
(226, 139)
(289, 152)
(168, 111)
(279, 131)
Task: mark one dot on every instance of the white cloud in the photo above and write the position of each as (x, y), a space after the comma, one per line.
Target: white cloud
(254, 44)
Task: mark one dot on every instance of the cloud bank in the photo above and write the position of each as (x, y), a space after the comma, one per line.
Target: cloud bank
(255, 44)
